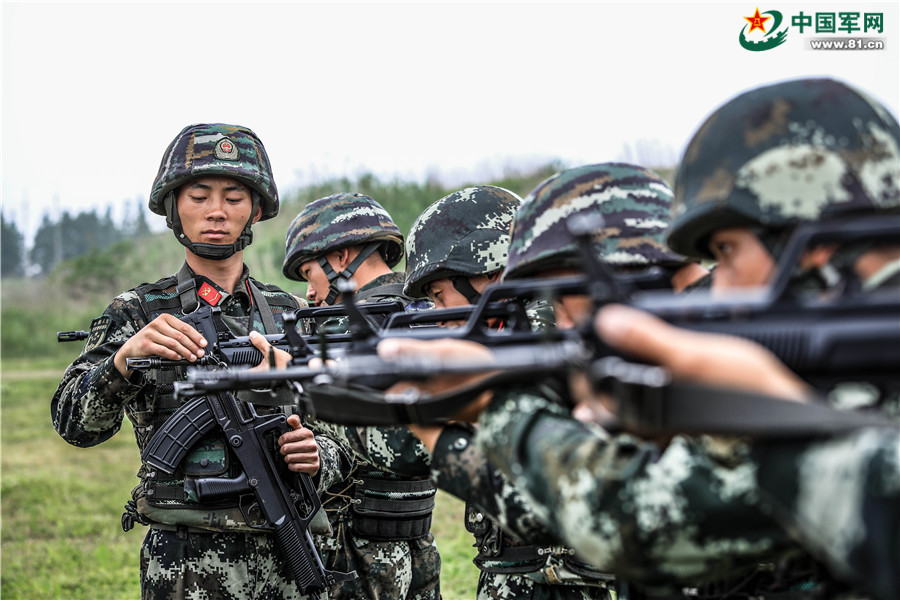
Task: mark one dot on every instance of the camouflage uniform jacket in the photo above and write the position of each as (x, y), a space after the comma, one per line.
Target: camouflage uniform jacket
(402, 569)
(841, 497)
(93, 397)
(663, 518)
(540, 570)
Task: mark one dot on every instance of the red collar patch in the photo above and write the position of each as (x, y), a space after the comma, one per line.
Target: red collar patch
(209, 293)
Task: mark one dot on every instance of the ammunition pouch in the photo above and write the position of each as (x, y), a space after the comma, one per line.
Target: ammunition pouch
(392, 509)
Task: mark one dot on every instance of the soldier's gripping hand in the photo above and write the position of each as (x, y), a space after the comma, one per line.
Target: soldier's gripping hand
(282, 358)
(165, 336)
(299, 448)
(713, 359)
(446, 350)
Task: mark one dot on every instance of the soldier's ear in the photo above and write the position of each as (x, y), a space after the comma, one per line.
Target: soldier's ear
(258, 215)
(344, 257)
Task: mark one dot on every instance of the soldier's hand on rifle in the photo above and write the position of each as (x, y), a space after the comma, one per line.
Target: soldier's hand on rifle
(590, 406)
(165, 336)
(281, 358)
(445, 350)
(712, 359)
(299, 448)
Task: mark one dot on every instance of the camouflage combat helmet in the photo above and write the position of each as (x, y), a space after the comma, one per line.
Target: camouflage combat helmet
(214, 149)
(335, 222)
(800, 150)
(462, 235)
(634, 203)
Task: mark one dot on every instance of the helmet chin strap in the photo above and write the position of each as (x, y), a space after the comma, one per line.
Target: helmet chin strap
(346, 274)
(204, 250)
(465, 287)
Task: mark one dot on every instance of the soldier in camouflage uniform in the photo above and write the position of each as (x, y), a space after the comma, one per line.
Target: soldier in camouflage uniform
(811, 149)
(794, 166)
(814, 150)
(633, 206)
(213, 183)
(381, 514)
(454, 250)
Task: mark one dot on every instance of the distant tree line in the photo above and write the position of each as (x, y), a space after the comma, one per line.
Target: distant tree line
(12, 252)
(67, 237)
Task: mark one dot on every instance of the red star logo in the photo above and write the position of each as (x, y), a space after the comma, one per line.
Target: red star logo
(756, 21)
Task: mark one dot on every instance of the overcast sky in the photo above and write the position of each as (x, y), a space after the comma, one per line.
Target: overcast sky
(93, 93)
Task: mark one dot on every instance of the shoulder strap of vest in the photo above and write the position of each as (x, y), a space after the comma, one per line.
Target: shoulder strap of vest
(153, 299)
(265, 311)
(185, 289)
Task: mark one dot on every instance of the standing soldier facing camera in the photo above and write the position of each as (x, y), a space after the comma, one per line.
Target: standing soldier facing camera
(213, 184)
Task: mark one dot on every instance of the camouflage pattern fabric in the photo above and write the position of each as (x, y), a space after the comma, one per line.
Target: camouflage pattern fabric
(335, 222)
(661, 518)
(840, 498)
(778, 155)
(208, 149)
(93, 398)
(461, 469)
(225, 566)
(463, 233)
(633, 202)
(407, 569)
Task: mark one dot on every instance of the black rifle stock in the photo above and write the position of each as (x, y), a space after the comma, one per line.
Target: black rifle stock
(252, 438)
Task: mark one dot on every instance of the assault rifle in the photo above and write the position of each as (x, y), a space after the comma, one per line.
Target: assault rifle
(228, 350)
(851, 337)
(252, 437)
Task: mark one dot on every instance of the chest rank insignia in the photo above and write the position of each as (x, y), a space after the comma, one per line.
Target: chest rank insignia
(226, 149)
(209, 293)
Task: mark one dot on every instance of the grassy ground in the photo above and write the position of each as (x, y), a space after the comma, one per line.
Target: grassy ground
(61, 505)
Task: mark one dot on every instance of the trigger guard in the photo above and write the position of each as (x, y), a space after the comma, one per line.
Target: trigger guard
(247, 503)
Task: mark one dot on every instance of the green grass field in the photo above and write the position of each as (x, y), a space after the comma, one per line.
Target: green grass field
(61, 505)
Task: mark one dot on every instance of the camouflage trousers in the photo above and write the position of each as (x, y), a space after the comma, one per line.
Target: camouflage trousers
(215, 566)
(396, 570)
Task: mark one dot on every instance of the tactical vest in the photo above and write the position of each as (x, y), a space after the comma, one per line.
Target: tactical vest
(210, 457)
(498, 552)
(384, 506)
